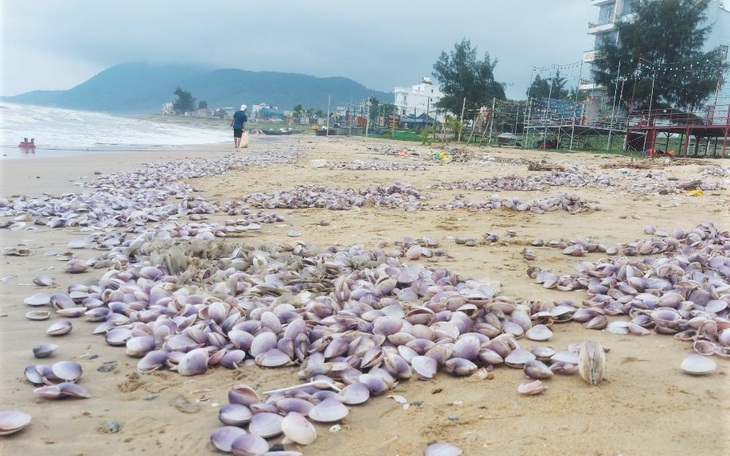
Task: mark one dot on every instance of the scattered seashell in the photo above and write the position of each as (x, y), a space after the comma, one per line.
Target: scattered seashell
(44, 350)
(442, 449)
(328, 411)
(696, 364)
(43, 281)
(12, 421)
(298, 429)
(222, 438)
(38, 315)
(532, 388)
(59, 328)
(38, 299)
(591, 362)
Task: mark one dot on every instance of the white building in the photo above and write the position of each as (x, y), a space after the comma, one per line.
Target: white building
(418, 99)
(612, 11)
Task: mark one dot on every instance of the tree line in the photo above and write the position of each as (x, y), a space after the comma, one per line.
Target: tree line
(656, 60)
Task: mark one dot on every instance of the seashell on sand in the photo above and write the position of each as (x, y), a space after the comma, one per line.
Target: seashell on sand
(38, 299)
(442, 449)
(532, 388)
(591, 362)
(329, 411)
(38, 315)
(59, 328)
(68, 371)
(696, 364)
(298, 428)
(539, 333)
(12, 421)
(249, 445)
(222, 438)
(44, 350)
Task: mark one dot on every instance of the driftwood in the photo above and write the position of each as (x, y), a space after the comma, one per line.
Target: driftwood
(542, 166)
(691, 185)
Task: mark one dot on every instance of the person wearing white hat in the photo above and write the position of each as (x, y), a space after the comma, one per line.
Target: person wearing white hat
(239, 126)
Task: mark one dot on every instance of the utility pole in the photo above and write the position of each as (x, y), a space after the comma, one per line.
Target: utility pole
(461, 120)
(613, 108)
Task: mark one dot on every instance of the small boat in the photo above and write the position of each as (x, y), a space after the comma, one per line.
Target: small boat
(280, 131)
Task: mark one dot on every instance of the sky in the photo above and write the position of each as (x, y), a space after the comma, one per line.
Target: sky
(381, 44)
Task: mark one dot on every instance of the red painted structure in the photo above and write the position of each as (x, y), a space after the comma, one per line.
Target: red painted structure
(643, 128)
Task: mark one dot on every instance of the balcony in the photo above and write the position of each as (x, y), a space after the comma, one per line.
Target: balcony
(601, 2)
(589, 56)
(602, 26)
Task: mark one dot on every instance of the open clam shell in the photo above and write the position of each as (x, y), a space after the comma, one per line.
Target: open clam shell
(38, 315)
(68, 371)
(243, 394)
(696, 364)
(60, 328)
(12, 421)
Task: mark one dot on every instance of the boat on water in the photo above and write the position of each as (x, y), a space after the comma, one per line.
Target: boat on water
(280, 131)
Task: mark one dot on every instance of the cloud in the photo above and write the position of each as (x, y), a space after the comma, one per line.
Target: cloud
(380, 44)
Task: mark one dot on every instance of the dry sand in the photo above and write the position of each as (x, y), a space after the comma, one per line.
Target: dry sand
(645, 406)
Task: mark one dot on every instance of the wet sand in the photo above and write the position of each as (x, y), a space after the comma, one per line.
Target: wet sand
(644, 406)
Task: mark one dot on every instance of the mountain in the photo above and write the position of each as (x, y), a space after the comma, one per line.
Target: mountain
(136, 88)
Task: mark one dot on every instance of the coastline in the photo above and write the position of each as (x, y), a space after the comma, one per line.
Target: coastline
(646, 405)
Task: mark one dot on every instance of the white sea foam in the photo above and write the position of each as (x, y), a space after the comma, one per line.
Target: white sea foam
(64, 129)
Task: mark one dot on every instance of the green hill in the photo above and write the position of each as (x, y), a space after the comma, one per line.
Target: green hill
(137, 88)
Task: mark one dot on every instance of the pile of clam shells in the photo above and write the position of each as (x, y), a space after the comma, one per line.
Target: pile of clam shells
(684, 293)
(378, 165)
(562, 202)
(357, 321)
(575, 177)
(308, 196)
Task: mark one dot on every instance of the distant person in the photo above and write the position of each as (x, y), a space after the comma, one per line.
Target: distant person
(32, 143)
(24, 143)
(239, 125)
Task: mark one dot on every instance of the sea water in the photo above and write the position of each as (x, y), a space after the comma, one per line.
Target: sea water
(60, 132)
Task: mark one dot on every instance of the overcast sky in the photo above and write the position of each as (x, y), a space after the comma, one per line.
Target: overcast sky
(58, 44)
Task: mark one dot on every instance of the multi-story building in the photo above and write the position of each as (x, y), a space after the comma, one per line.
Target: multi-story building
(604, 28)
(418, 99)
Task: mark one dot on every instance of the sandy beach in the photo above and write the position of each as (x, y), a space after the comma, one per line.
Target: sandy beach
(645, 404)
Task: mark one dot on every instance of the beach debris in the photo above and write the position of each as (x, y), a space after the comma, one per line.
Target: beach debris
(110, 427)
(12, 421)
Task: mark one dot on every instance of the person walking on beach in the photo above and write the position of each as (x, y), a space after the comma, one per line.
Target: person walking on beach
(239, 125)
